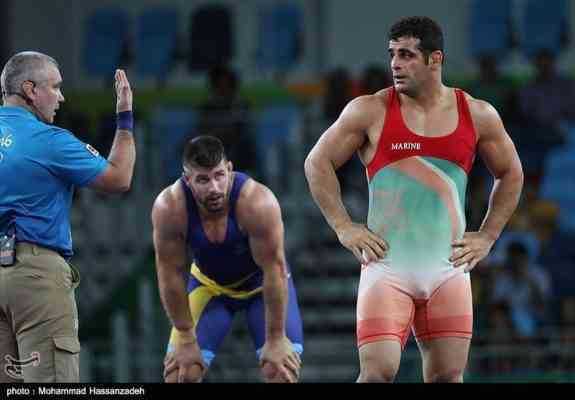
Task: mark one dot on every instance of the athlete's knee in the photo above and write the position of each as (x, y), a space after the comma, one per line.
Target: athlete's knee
(195, 375)
(452, 376)
(377, 367)
(376, 377)
(271, 375)
(373, 372)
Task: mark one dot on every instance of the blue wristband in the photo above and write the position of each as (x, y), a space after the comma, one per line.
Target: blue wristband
(125, 121)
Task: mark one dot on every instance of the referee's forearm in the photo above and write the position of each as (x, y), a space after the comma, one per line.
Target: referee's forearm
(123, 156)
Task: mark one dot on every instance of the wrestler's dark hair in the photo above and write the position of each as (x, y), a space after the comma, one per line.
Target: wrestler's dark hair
(425, 29)
(203, 151)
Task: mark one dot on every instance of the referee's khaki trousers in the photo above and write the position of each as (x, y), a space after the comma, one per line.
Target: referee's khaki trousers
(38, 318)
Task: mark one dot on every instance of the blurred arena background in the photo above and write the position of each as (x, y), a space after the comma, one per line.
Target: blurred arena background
(284, 71)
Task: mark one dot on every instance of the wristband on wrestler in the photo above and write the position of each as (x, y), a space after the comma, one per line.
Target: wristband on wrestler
(187, 336)
(125, 121)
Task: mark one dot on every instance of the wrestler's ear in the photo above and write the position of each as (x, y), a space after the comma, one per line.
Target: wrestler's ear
(230, 166)
(436, 58)
(186, 176)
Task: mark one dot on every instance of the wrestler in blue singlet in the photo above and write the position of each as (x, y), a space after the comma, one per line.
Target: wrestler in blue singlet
(224, 279)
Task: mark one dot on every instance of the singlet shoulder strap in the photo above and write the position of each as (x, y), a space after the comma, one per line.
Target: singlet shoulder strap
(190, 201)
(463, 107)
(239, 180)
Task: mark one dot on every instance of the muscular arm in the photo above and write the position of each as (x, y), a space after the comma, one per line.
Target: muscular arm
(171, 258)
(262, 220)
(499, 154)
(117, 177)
(335, 147)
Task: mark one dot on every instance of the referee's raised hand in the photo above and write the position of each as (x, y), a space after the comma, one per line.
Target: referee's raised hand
(123, 92)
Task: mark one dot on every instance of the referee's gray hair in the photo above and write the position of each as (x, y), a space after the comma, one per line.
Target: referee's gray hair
(21, 67)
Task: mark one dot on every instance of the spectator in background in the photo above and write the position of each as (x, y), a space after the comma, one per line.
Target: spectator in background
(226, 115)
(500, 326)
(525, 287)
(497, 89)
(545, 105)
(548, 100)
(536, 215)
(373, 78)
(491, 85)
(338, 92)
(500, 333)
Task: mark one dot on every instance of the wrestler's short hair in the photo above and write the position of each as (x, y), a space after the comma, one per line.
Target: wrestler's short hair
(425, 29)
(203, 151)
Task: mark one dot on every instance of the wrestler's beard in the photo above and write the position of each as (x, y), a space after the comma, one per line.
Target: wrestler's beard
(214, 203)
(406, 89)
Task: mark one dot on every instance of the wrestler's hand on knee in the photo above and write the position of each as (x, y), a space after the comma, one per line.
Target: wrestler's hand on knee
(472, 248)
(365, 245)
(185, 361)
(279, 361)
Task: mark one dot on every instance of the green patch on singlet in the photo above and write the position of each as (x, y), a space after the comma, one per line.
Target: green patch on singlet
(412, 216)
(455, 172)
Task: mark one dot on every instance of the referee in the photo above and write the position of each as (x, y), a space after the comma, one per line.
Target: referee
(40, 165)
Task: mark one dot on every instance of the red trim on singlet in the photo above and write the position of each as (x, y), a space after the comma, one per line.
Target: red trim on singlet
(457, 147)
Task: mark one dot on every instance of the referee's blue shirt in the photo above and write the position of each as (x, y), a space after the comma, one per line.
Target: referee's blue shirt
(39, 166)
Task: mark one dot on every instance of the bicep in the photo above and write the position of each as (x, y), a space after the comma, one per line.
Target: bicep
(170, 251)
(169, 245)
(266, 238)
(343, 138)
(495, 147)
(498, 154)
(338, 144)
